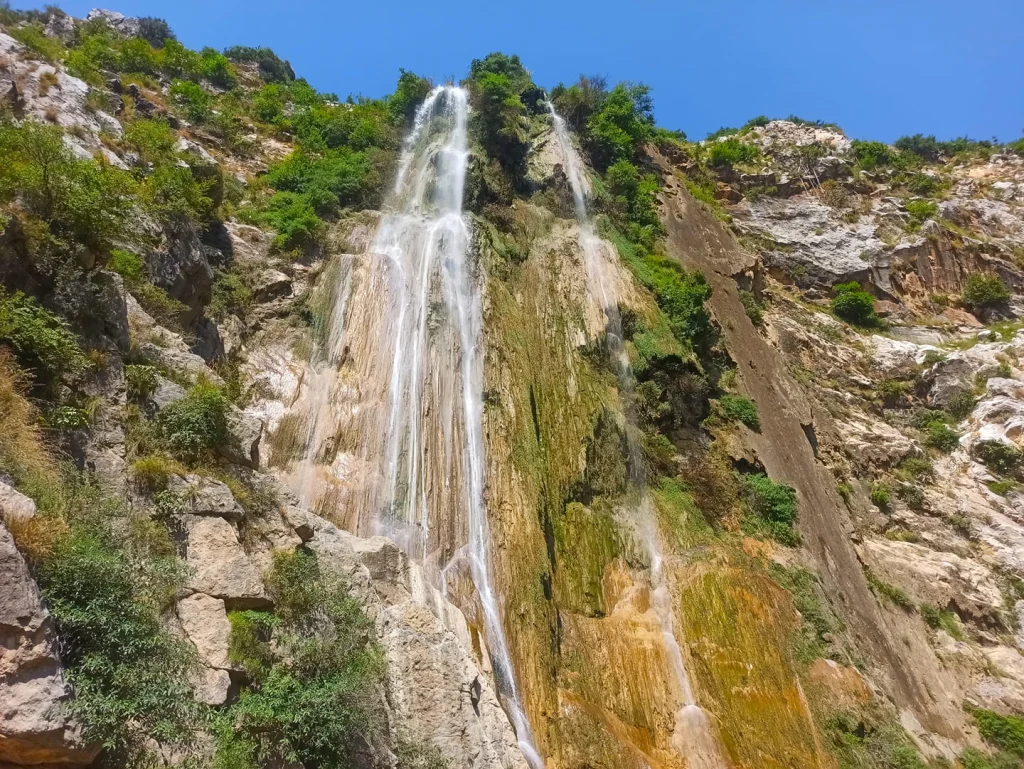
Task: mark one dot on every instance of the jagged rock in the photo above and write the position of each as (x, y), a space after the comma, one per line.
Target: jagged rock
(438, 692)
(166, 393)
(244, 446)
(895, 359)
(206, 496)
(940, 579)
(50, 94)
(126, 25)
(33, 729)
(60, 26)
(15, 506)
(220, 567)
(273, 285)
(208, 345)
(212, 686)
(999, 415)
(182, 362)
(179, 266)
(873, 443)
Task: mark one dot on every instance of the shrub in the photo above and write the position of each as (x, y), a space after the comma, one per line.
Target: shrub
(313, 674)
(924, 147)
(880, 495)
(916, 467)
(499, 113)
(153, 472)
(736, 408)
(35, 39)
(408, 95)
(1005, 732)
(773, 504)
(942, 437)
(192, 98)
(154, 300)
(939, 619)
(1001, 458)
(752, 307)
(155, 31)
(294, 220)
(42, 341)
(729, 152)
(871, 155)
(216, 68)
(889, 592)
(985, 291)
(621, 126)
(272, 68)
(893, 391)
(961, 404)
(911, 494)
(195, 424)
(854, 305)
(130, 676)
(920, 210)
(172, 192)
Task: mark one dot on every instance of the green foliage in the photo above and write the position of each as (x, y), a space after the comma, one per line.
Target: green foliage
(889, 592)
(41, 341)
(216, 68)
(153, 472)
(621, 126)
(871, 155)
(920, 210)
(773, 506)
(937, 618)
(32, 36)
(153, 140)
(105, 593)
(230, 295)
(635, 201)
(862, 742)
(499, 114)
(1001, 458)
(854, 305)
(916, 467)
(1005, 732)
(334, 178)
(737, 408)
(752, 307)
(272, 68)
(408, 95)
(880, 496)
(983, 291)
(155, 31)
(140, 381)
(312, 674)
(961, 404)
(925, 147)
(817, 622)
(893, 391)
(85, 206)
(579, 101)
(730, 152)
(972, 758)
(196, 424)
(911, 494)
(942, 437)
(135, 55)
(294, 220)
(193, 99)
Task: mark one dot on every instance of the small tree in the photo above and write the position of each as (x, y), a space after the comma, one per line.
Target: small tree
(854, 305)
(983, 292)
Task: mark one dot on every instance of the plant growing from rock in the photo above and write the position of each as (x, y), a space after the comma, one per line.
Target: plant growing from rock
(195, 425)
(772, 508)
(1001, 458)
(738, 408)
(854, 305)
(880, 496)
(982, 292)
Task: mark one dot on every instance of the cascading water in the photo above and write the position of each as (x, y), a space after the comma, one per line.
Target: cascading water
(693, 735)
(414, 314)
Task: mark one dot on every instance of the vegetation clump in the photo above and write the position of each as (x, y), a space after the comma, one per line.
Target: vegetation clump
(196, 424)
(854, 305)
(983, 291)
(771, 506)
(737, 408)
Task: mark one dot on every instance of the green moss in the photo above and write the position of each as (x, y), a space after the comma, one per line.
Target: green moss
(586, 541)
(1004, 732)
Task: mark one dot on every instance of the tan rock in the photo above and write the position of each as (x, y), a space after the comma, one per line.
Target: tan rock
(220, 567)
(205, 622)
(14, 505)
(32, 687)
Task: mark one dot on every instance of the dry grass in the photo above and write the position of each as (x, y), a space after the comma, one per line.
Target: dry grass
(48, 80)
(36, 537)
(51, 114)
(21, 440)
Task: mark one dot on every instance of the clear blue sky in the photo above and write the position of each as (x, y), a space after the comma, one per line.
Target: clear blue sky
(879, 68)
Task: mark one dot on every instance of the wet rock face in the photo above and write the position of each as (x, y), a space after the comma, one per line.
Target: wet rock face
(32, 686)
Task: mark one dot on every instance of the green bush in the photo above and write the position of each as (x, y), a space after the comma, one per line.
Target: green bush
(498, 118)
(140, 381)
(920, 210)
(752, 307)
(1005, 732)
(937, 618)
(294, 220)
(893, 391)
(1001, 458)
(272, 68)
(925, 147)
(313, 674)
(736, 408)
(942, 437)
(42, 342)
(155, 31)
(773, 505)
(972, 758)
(880, 495)
(216, 68)
(854, 305)
(193, 99)
(729, 152)
(635, 201)
(621, 126)
(153, 472)
(984, 291)
(105, 594)
(196, 424)
(408, 95)
(871, 155)
(912, 495)
(35, 39)
(961, 404)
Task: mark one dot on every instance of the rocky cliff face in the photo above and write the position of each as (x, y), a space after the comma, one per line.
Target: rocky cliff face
(881, 630)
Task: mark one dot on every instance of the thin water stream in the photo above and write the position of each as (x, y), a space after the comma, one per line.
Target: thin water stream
(693, 736)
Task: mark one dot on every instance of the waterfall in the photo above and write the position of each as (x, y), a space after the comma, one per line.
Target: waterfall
(693, 735)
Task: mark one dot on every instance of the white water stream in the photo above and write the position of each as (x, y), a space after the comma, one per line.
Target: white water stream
(693, 736)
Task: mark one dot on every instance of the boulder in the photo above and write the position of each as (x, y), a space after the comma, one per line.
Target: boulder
(244, 446)
(15, 506)
(33, 729)
(206, 496)
(205, 622)
(220, 567)
(166, 392)
(875, 444)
